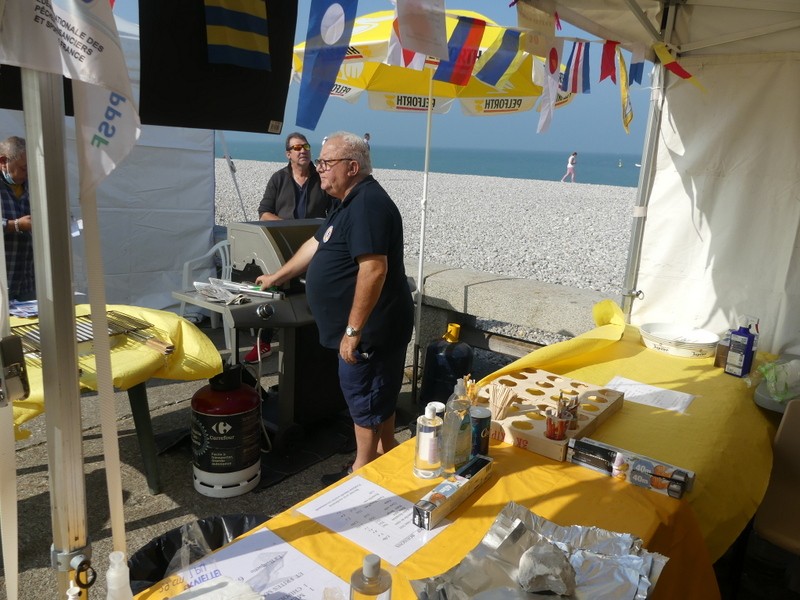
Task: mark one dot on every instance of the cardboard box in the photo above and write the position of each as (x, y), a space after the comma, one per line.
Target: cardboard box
(445, 497)
(628, 466)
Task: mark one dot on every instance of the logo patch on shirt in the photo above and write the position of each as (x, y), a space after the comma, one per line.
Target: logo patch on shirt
(328, 233)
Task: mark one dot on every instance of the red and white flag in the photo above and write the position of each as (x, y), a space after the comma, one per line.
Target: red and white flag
(400, 56)
(552, 76)
(79, 40)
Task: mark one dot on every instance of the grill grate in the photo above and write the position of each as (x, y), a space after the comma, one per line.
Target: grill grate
(118, 324)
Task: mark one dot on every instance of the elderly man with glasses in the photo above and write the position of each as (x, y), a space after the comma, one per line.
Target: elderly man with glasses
(358, 292)
(293, 192)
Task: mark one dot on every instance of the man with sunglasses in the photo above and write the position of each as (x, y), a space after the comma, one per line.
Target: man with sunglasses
(293, 192)
(358, 292)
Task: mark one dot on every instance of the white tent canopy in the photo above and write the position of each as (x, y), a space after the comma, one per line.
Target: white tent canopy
(156, 209)
(718, 216)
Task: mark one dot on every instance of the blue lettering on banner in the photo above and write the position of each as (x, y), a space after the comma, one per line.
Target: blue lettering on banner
(106, 128)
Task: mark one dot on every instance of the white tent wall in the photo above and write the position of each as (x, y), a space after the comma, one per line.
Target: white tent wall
(721, 235)
(156, 210)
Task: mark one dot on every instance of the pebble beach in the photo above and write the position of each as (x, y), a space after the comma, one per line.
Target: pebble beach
(572, 234)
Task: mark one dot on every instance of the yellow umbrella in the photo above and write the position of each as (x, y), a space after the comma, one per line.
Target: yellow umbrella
(398, 89)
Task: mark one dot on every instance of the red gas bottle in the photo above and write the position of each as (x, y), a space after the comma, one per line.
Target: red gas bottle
(226, 436)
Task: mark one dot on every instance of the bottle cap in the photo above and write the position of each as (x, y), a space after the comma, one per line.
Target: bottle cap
(430, 410)
(459, 389)
(453, 332)
(372, 565)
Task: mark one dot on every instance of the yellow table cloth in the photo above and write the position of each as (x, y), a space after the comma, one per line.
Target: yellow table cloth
(723, 436)
(195, 357)
(562, 492)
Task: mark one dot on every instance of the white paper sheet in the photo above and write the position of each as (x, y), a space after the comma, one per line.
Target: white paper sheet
(642, 393)
(270, 566)
(372, 517)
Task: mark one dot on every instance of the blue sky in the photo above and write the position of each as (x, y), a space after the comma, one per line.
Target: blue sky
(591, 123)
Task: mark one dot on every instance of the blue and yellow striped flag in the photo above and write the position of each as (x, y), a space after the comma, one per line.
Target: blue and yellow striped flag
(237, 33)
(500, 60)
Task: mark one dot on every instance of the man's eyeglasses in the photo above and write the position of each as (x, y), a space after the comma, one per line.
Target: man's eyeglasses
(299, 147)
(324, 165)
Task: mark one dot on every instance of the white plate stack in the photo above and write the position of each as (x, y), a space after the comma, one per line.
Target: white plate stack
(679, 340)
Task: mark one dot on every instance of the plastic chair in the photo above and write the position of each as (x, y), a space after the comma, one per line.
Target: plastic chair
(777, 519)
(223, 251)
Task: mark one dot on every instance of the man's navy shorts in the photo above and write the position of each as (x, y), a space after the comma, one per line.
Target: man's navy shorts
(372, 385)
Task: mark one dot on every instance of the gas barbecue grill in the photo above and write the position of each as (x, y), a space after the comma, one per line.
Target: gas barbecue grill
(308, 381)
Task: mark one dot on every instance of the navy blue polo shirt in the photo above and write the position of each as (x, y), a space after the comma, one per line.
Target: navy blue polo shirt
(367, 221)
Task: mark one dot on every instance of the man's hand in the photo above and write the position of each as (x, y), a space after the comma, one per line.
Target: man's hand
(267, 281)
(24, 223)
(348, 348)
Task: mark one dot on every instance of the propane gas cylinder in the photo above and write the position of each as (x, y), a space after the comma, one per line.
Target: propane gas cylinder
(226, 436)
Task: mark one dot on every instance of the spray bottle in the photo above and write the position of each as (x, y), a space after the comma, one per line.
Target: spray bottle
(118, 583)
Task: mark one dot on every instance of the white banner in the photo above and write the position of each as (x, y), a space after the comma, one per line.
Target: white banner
(78, 39)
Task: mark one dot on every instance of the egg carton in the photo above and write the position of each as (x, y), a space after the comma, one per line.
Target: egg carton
(538, 390)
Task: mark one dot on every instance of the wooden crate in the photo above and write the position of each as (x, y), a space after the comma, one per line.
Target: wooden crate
(538, 390)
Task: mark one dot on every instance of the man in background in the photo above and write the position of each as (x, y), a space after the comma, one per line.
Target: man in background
(358, 292)
(16, 221)
(293, 192)
(366, 140)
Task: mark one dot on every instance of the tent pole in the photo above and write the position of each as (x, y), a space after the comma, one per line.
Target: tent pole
(421, 263)
(646, 177)
(232, 170)
(43, 101)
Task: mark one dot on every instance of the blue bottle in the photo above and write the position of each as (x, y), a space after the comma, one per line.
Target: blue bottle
(446, 361)
(741, 352)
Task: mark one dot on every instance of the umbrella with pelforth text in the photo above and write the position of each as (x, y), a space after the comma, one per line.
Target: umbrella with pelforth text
(364, 71)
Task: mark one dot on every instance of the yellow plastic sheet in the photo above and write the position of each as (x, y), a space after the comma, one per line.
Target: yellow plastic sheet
(195, 357)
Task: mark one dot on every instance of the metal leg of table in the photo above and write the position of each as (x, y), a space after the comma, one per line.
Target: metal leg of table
(140, 410)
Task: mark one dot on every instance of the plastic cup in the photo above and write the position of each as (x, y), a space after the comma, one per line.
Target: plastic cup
(556, 426)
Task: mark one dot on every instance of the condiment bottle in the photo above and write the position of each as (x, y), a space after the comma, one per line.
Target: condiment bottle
(428, 455)
(370, 581)
(118, 584)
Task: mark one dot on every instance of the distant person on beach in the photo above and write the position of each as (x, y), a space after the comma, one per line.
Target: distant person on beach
(357, 290)
(573, 158)
(293, 192)
(17, 219)
(366, 140)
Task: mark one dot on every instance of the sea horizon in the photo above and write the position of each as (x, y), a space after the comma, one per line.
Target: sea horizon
(616, 169)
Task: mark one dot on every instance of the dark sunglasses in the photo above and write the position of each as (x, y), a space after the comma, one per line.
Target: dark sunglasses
(298, 147)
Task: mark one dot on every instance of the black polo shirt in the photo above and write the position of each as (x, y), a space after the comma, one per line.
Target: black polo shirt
(366, 222)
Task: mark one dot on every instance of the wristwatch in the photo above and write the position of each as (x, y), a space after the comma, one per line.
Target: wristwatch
(351, 331)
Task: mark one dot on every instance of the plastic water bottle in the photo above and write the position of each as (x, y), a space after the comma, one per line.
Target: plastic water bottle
(456, 431)
(118, 583)
(428, 454)
(370, 582)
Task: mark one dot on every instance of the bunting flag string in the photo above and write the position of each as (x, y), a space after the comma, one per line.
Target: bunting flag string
(608, 66)
(672, 65)
(501, 59)
(627, 108)
(400, 56)
(462, 48)
(637, 64)
(330, 24)
(576, 74)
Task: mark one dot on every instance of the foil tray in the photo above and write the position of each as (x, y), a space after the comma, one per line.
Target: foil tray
(608, 565)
